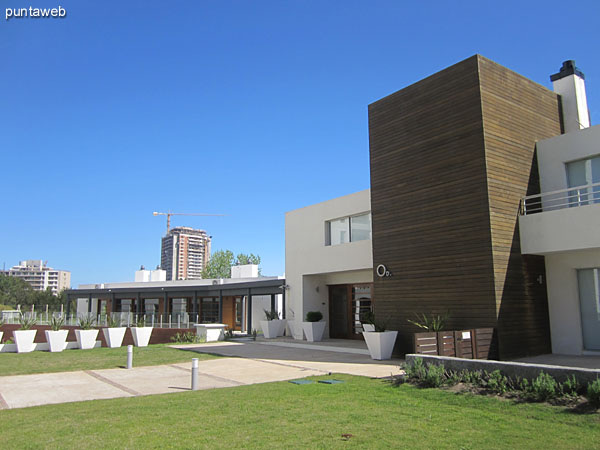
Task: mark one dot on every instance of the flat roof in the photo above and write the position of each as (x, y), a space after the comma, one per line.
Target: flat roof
(182, 288)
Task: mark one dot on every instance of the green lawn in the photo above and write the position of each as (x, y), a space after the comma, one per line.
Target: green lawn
(283, 415)
(97, 358)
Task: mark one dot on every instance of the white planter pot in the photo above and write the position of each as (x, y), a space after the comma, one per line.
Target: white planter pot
(24, 340)
(380, 344)
(269, 328)
(114, 336)
(1, 333)
(86, 339)
(141, 336)
(368, 327)
(57, 340)
(313, 331)
(273, 328)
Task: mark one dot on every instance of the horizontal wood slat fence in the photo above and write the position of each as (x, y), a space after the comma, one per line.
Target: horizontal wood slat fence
(470, 344)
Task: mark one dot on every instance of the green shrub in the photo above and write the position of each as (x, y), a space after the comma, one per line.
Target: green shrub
(271, 315)
(416, 370)
(593, 393)
(187, 337)
(113, 321)
(473, 377)
(435, 376)
(314, 316)
(570, 387)
(430, 323)
(86, 322)
(27, 321)
(497, 382)
(56, 323)
(544, 387)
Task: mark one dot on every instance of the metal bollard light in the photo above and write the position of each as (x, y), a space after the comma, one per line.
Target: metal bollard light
(130, 356)
(194, 374)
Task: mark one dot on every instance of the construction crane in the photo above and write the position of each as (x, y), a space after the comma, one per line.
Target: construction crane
(169, 214)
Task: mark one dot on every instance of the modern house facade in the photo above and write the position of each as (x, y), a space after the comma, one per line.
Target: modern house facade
(40, 276)
(451, 157)
(184, 253)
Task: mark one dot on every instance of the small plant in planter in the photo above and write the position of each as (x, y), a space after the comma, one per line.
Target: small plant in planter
(380, 342)
(435, 322)
(114, 333)
(25, 336)
(141, 333)
(313, 327)
(56, 338)
(273, 326)
(86, 335)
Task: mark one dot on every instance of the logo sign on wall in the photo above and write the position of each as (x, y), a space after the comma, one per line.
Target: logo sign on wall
(383, 271)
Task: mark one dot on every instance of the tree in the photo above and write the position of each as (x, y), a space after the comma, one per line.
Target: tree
(219, 265)
(247, 259)
(15, 291)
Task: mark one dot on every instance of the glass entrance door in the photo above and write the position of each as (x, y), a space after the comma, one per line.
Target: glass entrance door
(589, 301)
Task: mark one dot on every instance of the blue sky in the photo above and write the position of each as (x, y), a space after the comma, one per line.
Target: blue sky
(244, 108)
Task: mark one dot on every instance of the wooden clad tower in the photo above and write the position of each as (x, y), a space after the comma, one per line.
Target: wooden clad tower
(451, 156)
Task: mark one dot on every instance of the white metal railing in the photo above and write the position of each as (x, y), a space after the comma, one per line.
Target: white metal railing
(565, 198)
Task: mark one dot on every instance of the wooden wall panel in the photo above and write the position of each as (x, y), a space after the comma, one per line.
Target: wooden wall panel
(516, 113)
(429, 203)
(450, 158)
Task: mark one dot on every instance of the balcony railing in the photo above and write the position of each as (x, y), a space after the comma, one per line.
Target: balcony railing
(565, 198)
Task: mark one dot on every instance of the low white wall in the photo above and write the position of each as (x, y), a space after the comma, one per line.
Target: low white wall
(561, 230)
(563, 298)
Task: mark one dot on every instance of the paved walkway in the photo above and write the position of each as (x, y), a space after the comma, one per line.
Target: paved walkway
(248, 363)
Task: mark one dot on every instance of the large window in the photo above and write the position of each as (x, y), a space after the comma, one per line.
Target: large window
(210, 310)
(589, 302)
(348, 229)
(583, 173)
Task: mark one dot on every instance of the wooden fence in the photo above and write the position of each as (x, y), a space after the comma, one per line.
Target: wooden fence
(470, 344)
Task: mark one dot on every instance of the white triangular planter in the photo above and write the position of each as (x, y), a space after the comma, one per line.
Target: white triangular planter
(313, 331)
(24, 340)
(380, 344)
(141, 336)
(114, 336)
(57, 340)
(273, 328)
(269, 328)
(86, 339)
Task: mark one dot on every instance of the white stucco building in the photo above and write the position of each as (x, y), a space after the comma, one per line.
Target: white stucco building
(563, 223)
(329, 263)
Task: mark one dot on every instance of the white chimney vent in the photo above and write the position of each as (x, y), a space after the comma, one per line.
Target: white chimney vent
(569, 82)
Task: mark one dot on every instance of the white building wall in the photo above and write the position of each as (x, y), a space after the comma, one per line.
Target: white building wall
(569, 238)
(310, 264)
(554, 153)
(563, 298)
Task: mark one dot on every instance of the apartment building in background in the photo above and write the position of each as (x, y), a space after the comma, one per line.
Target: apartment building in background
(40, 276)
(185, 252)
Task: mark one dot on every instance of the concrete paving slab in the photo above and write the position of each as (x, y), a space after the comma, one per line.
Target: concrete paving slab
(159, 379)
(306, 358)
(31, 390)
(248, 371)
